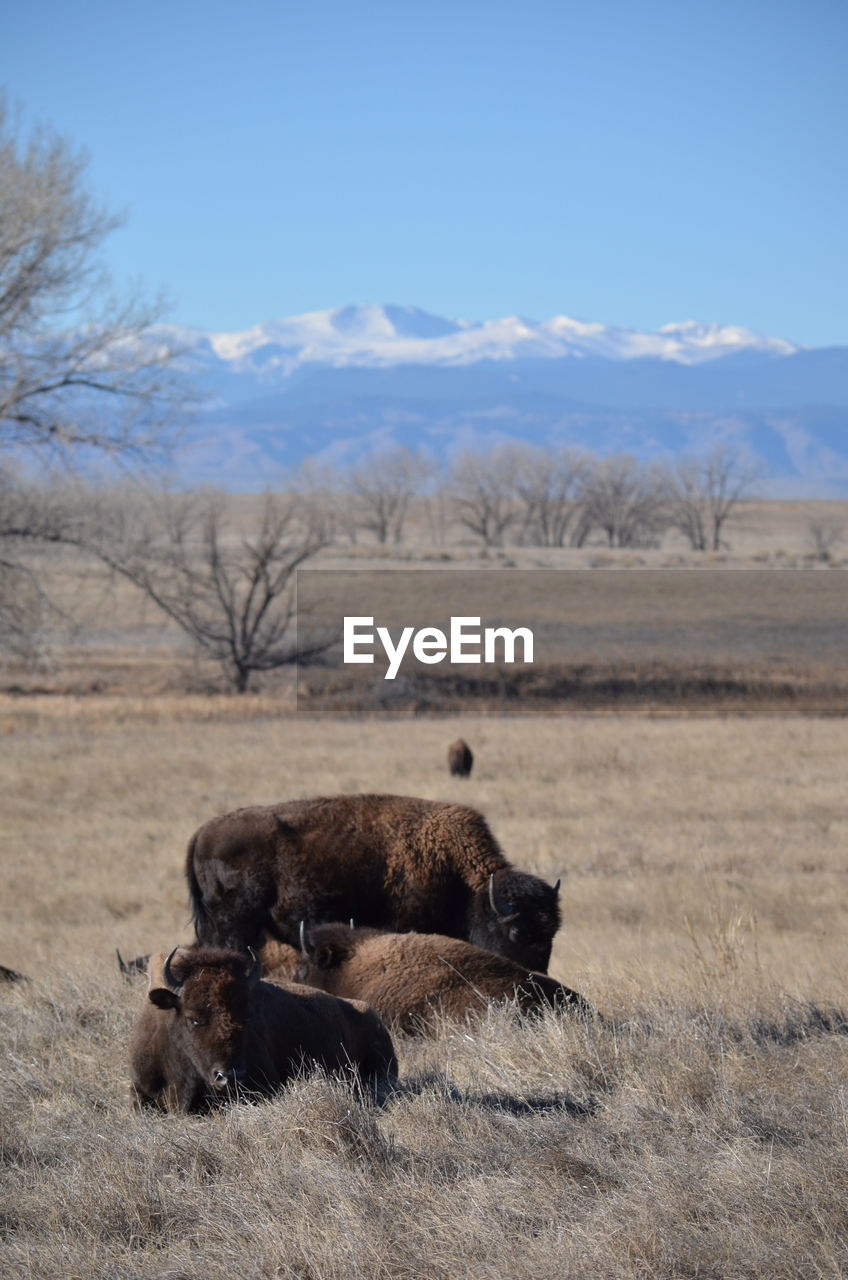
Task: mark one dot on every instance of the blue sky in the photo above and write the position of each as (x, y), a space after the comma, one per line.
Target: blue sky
(631, 161)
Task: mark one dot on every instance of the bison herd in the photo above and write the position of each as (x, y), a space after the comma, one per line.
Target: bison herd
(318, 922)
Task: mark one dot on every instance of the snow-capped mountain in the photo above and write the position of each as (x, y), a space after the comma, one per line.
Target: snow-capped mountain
(336, 383)
(377, 336)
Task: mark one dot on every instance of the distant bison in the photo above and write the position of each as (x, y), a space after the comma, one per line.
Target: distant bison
(391, 862)
(11, 975)
(132, 968)
(460, 759)
(409, 977)
(211, 1029)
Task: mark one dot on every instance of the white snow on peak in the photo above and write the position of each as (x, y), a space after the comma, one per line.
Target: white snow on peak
(722, 338)
(376, 335)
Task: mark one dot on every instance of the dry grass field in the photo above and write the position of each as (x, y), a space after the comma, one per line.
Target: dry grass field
(112, 640)
(700, 1129)
(678, 640)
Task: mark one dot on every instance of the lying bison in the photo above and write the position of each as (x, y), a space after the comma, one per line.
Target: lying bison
(391, 862)
(409, 977)
(132, 968)
(211, 1029)
(460, 759)
(11, 975)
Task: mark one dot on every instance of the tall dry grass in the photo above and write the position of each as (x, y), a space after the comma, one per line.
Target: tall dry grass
(700, 1129)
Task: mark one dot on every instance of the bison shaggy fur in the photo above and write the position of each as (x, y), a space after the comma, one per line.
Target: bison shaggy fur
(210, 1029)
(389, 862)
(410, 977)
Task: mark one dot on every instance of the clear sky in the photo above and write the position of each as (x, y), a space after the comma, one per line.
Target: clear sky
(630, 161)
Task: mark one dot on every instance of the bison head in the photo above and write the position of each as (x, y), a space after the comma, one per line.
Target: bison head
(323, 949)
(209, 993)
(516, 915)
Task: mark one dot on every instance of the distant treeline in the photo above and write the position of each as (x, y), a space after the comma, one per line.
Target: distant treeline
(533, 496)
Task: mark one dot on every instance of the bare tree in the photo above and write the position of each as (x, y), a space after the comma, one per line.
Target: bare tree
(625, 499)
(36, 523)
(702, 493)
(77, 368)
(383, 484)
(231, 592)
(824, 534)
(80, 374)
(482, 489)
(436, 511)
(324, 494)
(25, 613)
(34, 515)
(546, 483)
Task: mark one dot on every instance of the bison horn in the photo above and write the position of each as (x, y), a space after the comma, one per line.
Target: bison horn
(502, 919)
(167, 973)
(557, 885)
(303, 950)
(254, 964)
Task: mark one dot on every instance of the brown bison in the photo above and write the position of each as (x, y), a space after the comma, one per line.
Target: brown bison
(409, 977)
(460, 759)
(132, 968)
(391, 862)
(211, 1029)
(11, 975)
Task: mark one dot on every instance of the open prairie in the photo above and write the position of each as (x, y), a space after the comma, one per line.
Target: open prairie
(699, 1129)
(107, 637)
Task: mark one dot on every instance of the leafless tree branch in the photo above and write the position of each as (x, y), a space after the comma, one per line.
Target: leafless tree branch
(79, 369)
(623, 498)
(232, 593)
(702, 492)
(482, 489)
(383, 484)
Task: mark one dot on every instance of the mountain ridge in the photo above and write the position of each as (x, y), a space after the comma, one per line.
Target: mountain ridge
(340, 382)
(378, 333)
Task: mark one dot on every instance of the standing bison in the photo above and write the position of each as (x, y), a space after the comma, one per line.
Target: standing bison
(460, 759)
(391, 862)
(211, 1029)
(410, 977)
